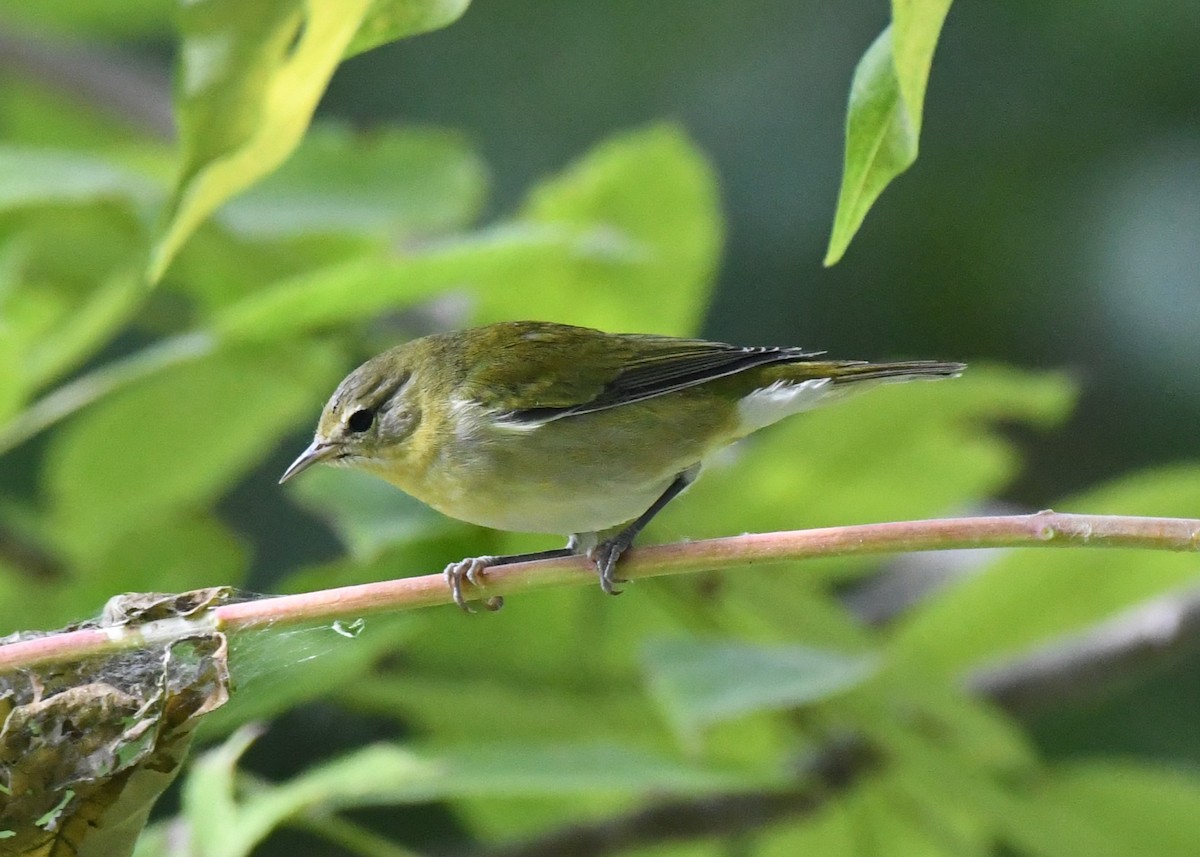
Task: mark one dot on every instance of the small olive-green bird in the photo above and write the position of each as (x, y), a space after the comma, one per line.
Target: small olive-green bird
(540, 427)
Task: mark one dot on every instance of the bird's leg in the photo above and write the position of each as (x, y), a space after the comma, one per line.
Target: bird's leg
(472, 569)
(606, 554)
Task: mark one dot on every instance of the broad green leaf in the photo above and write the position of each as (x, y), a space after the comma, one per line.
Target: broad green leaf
(219, 267)
(57, 308)
(390, 183)
(394, 774)
(624, 240)
(648, 196)
(186, 552)
(388, 774)
(928, 771)
(12, 346)
(701, 682)
(693, 848)
(103, 235)
(364, 288)
(916, 825)
(496, 708)
(11, 381)
(95, 385)
(367, 513)
(766, 607)
(84, 329)
(35, 176)
(249, 78)
(389, 20)
(883, 119)
(156, 841)
(32, 115)
(129, 19)
(209, 799)
(835, 830)
(1109, 809)
(916, 25)
(177, 439)
(971, 727)
(1029, 597)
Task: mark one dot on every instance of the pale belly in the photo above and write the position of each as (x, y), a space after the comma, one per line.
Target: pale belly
(551, 509)
(579, 475)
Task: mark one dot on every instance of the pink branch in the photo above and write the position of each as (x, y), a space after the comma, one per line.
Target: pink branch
(1043, 529)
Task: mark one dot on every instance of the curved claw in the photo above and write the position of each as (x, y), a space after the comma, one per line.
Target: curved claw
(605, 556)
(472, 569)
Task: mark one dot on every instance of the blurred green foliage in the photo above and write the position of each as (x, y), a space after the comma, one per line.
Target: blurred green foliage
(131, 412)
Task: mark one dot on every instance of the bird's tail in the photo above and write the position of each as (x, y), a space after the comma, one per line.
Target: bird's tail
(848, 372)
(795, 387)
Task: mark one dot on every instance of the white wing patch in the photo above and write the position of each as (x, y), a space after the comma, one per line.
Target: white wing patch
(782, 399)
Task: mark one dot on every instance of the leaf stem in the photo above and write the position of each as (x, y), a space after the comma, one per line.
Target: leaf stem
(73, 396)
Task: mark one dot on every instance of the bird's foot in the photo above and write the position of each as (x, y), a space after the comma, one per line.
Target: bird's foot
(472, 570)
(605, 556)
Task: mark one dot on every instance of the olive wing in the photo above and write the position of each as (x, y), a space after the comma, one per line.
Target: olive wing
(628, 368)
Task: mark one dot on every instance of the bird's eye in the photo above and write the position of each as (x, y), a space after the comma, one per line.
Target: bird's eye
(360, 421)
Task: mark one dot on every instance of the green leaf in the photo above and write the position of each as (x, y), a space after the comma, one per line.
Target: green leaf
(84, 329)
(1032, 596)
(220, 267)
(701, 682)
(1109, 809)
(952, 789)
(649, 197)
(362, 288)
(156, 841)
(390, 774)
(627, 239)
(33, 115)
(391, 183)
(883, 119)
(916, 25)
(916, 824)
(59, 307)
(89, 388)
(209, 799)
(249, 78)
(389, 20)
(130, 19)
(829, 832)
(176, 439)
(495, 707)
(43, 176)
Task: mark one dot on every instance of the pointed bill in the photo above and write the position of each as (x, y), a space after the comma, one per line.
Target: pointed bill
(317, 452)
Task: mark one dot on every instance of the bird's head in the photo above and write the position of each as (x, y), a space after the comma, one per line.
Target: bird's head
(369, 420)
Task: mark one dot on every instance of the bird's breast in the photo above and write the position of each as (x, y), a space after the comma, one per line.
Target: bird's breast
(578, 474)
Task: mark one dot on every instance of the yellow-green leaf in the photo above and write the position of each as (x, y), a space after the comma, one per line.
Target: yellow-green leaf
(389, 20)
(883, 120)
(249, 78)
